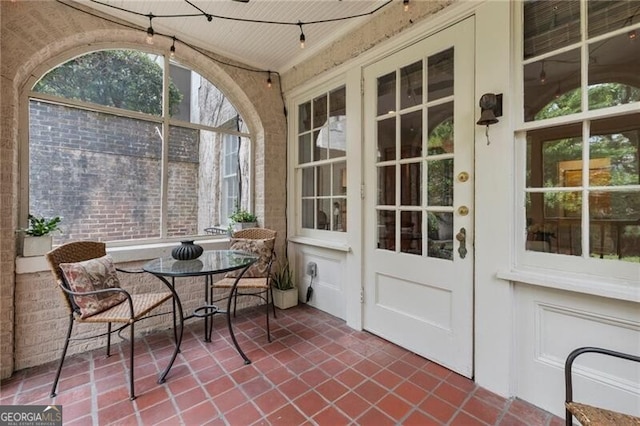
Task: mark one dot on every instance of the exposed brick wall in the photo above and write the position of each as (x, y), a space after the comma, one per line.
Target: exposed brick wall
(38, 35)
(101, 173)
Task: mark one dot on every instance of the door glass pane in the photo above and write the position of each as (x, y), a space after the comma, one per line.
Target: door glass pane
(319, 111)
(411, 135)
(387, 230)
(304, 117)
(613, 149)
(608, 60)
(304, 148)
(411, 184)
(411, 85)
(386, 93)
(552, 86)
(387, 139)
(440, 129)
(440, 183)
(550, 25)
(440, 235)
(440, 75)
(387, 185)
(411, 232)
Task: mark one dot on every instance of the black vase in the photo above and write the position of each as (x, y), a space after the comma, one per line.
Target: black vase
(187, 251)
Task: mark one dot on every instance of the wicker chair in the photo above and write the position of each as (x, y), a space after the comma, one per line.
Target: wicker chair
(256, 281)
(588, 414)
(133, 307)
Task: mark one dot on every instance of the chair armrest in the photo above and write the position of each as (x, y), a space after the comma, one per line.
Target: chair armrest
(569, 364)
(127, 271)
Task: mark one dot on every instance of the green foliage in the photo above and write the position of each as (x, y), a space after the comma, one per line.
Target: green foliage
(282, 277)
(241, 215)
(126, 79)
(39, 226)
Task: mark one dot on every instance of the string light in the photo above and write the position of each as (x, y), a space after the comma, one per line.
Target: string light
(302, 37)
(405, 5)
(150, 31)
(632, 35)
(543, 75)
(172, 49)
(269, 82)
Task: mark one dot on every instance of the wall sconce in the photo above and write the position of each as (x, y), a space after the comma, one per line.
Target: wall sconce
(490, 108)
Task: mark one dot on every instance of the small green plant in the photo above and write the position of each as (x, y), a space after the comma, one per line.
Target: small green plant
(39, 226)
(282, 277)
(241, 215)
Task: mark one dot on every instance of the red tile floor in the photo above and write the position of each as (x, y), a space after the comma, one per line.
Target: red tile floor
(316, 371)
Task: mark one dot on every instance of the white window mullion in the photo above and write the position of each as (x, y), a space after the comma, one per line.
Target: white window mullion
(164, 220)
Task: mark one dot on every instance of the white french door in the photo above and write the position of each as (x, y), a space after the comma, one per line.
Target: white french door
(418, 166)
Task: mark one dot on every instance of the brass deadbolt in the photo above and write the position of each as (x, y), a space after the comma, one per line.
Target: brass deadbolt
(463, 176)
(463, 210)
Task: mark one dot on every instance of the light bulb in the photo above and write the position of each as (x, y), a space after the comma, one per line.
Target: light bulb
(302, 40)
(405, 5)
(269, 82)
(632, 35)
(150, 34)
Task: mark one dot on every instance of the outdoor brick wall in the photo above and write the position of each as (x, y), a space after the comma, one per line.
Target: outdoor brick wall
(37, 36)
(101, 173)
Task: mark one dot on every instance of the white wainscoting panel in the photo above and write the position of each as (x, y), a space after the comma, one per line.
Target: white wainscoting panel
(550, 324)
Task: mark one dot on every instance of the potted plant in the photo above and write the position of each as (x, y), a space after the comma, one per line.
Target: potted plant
(242, 218)
(285, 292)
(38, 238)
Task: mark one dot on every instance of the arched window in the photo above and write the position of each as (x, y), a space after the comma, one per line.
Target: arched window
(125, 145)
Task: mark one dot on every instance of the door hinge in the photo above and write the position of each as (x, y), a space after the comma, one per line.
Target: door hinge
(361, 294)
(362, 191)
(362, 86)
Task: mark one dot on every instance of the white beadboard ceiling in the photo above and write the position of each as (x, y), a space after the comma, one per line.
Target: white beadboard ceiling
(272, 47)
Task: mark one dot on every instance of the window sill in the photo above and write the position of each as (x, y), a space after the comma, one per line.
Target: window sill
(610, 288)
(331, 245)
(134, 253)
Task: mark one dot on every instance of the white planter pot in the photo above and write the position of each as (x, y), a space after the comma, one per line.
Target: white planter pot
(284, 299)
(36, 246)
(243, 225)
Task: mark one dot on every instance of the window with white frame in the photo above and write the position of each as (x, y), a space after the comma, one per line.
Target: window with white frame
(119, 164)
(580, 131)
(321, 164)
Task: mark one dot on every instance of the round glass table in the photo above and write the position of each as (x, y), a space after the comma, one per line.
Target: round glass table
(209, 264)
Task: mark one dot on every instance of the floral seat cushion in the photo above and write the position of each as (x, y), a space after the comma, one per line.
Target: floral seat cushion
(91, 275)
(262, 248)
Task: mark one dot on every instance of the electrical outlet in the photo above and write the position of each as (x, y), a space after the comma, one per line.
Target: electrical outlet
(312, 269)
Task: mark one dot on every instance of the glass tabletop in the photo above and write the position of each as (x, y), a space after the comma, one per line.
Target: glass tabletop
(210, 262)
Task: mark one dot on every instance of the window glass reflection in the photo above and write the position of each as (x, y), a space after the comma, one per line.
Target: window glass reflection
(411, 232)
(387, 139)
(411, 184)
(550, 25)
(440, 75)
(386, 93)
(411, 85)
(387, 230)
(411, 135)
(440, 235)
(440, 185)
(440, 139)
(613, 148)
(387, 185)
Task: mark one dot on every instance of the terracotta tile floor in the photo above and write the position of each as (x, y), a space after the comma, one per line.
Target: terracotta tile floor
(316, 371)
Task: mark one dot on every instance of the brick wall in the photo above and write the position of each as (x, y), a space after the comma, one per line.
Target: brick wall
(101, 173)
(38, 35)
